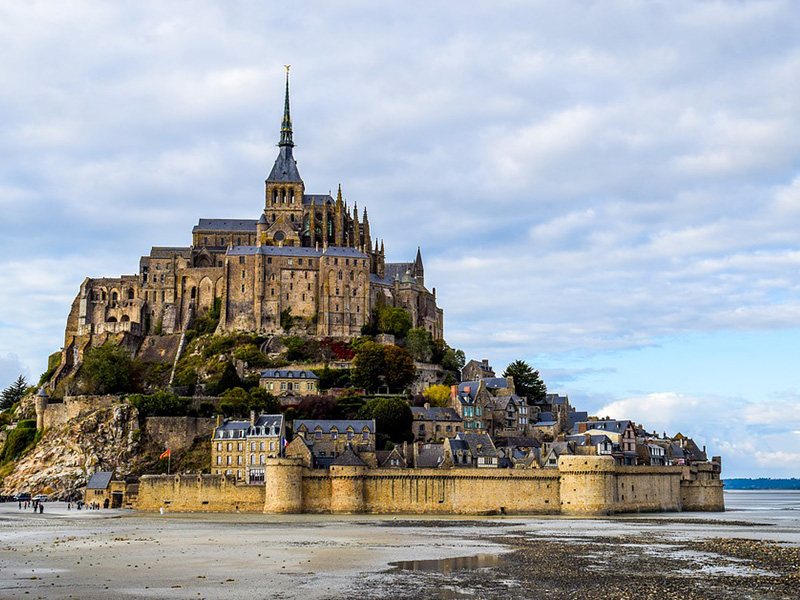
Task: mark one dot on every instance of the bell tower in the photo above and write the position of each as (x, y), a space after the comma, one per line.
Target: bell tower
(283, 209)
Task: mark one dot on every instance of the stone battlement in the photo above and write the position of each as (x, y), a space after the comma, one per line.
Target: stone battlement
(588, 485)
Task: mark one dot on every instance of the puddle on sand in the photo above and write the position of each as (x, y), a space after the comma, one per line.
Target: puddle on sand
(446, 565)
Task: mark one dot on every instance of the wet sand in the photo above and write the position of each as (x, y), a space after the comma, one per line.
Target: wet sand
(124, 554)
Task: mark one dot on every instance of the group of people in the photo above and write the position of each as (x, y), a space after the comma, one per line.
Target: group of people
(37, 505)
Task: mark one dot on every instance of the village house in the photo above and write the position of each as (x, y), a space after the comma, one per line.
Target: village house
(433, 423)
(471, 449)
(289, 383)
(475, 370)
(240, 448)
(327, 439)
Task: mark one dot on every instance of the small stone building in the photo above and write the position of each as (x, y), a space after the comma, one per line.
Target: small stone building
(289, 383)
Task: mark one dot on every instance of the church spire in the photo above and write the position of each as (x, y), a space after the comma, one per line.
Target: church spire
(286, 126)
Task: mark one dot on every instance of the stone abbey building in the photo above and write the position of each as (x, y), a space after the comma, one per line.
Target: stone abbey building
(307, 253)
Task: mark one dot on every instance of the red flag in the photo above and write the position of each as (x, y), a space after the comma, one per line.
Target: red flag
(165, 455)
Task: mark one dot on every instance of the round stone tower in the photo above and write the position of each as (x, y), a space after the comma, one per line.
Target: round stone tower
(283, 478)
(588, 484)
(40, 404)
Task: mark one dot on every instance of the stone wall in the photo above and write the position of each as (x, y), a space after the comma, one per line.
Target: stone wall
(56, 414)
(585, 485)
(198, 493)
(178, 433)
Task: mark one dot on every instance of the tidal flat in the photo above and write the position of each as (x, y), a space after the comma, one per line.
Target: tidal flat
(750, 551)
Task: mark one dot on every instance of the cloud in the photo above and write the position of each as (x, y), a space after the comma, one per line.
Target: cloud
(583, 180)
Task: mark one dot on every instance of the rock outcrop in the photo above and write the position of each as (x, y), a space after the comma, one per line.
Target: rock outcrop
(65, 457)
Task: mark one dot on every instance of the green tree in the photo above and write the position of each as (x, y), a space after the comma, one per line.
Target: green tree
(13, 393)
(159, 404)
(453, 360)
(227, 379)
(107, 369)
(526, 380)
(369, 366)
(262, 401)
(400, 369)
(419, 343)
(392, 416)
(394, 320)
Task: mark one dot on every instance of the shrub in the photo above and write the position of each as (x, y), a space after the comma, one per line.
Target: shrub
(160, 404)
(107, 369)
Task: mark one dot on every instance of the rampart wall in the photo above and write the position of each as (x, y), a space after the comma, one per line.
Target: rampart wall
(198, 493)
(581, 485)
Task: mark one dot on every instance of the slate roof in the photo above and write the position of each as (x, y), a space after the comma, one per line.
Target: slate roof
(273, 425)
(545, 423)
(610, 426)
(480, 444)
(339, 424)
(100, 480)
(275, 251)
(318, 199)
(514, 442)
(285, 167)
(556, 399)
(434, 413)
(348, 458)
(225, 225)
(580, 439)
(394, 271)
(344, 251)
(280, 374)
(545, 416)
(491, 383)
(502, 402)
(577, 417)
(170, 251)
(429, 456)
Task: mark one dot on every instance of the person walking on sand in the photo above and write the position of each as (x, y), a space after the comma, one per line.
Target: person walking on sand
(20, 504)
(41, 507)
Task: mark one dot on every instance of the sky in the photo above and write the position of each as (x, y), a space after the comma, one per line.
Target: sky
(609, 191)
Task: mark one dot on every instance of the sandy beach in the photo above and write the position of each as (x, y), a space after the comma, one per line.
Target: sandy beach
(125, 554)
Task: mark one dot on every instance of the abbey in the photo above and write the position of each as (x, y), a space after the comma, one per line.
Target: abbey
(306, 255)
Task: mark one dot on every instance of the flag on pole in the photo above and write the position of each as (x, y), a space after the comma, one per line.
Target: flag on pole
(165, 454)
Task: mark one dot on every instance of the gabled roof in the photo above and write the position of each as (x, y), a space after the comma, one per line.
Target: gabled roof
(282, 374)
(516, 441)
(348, 458)
(434, 413)
(502, 402)
(429, 456)
(611, 426)
(580, 439)
(326, 425)
(225, 225)
(480, 444)
(100, 480)
(318, 199)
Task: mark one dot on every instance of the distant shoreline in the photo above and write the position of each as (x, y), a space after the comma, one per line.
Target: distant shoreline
(761, 483)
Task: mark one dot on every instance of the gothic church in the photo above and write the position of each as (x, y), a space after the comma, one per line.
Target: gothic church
(308, 254)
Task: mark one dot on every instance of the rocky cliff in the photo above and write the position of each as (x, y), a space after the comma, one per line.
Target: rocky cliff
(65, 457)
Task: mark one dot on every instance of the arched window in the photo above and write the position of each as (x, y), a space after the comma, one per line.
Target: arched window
(111, 320)
(125, 319)
(113, 296)
(130, 293)
(193, 293)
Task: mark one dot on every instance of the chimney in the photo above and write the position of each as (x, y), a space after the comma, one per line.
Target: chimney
(485, 362)
(252, 418)
(453, 391)
(588, 440)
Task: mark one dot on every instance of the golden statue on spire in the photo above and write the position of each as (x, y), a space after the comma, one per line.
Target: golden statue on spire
(287, 68)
